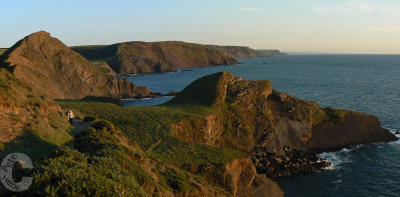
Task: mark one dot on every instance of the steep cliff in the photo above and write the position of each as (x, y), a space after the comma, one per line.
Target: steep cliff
(282, 132)
(53, 69)
(154, 57)
(253, 114)
(243, 51)
(268, 52)
(239, 177)
(235, 51)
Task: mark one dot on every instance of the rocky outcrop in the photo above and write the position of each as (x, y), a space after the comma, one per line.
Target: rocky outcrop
(253, 117)
(239, 177)
(290, 162)
(243, 51)
(154, 57)
(55, 70)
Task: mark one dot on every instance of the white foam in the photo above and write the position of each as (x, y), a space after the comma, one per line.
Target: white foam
(338, 158)
(133, 99)
(394, 133)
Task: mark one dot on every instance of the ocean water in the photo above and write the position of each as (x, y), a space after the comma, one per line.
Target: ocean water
(366, 83)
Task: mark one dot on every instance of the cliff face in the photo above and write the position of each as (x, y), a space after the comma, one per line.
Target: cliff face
(53, 69)
(235, 51)
(250, 114)
(268, 52)
(282, 133)
(242, 51)
(239, 177)
(155, 57)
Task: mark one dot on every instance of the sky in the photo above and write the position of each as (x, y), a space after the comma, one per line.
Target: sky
(333, 26)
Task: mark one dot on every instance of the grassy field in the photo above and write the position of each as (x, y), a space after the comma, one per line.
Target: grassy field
(150, 128)
(2, 50)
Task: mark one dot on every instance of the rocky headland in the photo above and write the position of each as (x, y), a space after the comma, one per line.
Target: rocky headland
(283, 133)
(154, 57)
(53, 69)
(243, 51)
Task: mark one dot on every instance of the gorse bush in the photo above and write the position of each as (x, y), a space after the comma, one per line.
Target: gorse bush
(102, 165)
(94, 168)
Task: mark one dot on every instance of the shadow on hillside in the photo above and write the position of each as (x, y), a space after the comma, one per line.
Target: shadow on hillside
(29, 144)
(96, 99)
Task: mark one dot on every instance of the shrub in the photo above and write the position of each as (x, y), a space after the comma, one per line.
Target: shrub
(89, 119)
(102, 125)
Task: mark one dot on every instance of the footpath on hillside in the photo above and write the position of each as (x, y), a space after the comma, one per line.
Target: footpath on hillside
(79, 125)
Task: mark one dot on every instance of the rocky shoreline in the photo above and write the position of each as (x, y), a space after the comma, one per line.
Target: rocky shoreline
(291, 162)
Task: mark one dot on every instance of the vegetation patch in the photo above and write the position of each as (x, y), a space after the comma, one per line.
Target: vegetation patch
(101, 164)
(2, 50)
(150, 128)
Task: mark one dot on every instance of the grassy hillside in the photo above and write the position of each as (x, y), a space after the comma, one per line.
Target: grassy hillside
(28, 118)
(2, 50)
(150, 128)
(104, 163)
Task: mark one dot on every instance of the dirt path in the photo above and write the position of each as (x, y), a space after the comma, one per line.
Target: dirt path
(79, 126)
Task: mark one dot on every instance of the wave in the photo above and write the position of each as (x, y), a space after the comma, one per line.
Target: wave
(133, 99)
(338, 158)
(395, 132)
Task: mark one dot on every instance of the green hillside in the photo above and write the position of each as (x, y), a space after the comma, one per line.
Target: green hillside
(2, 50)
(150, 128)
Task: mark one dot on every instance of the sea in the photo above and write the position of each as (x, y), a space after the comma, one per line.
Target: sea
(366, 83)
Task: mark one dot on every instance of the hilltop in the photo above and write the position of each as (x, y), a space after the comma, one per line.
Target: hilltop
(154, 57)
(51, 68)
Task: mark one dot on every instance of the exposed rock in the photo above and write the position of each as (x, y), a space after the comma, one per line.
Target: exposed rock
(154, 57)
(250, 116)
(292, 162)
(253, 115)
(239, 177)
(55, 70)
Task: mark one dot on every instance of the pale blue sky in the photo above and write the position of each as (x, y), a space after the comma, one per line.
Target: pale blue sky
(346, 26)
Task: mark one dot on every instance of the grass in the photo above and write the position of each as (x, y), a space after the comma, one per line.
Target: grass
(34, 131)
(101, 165)
(150, 128)
(2, 50)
